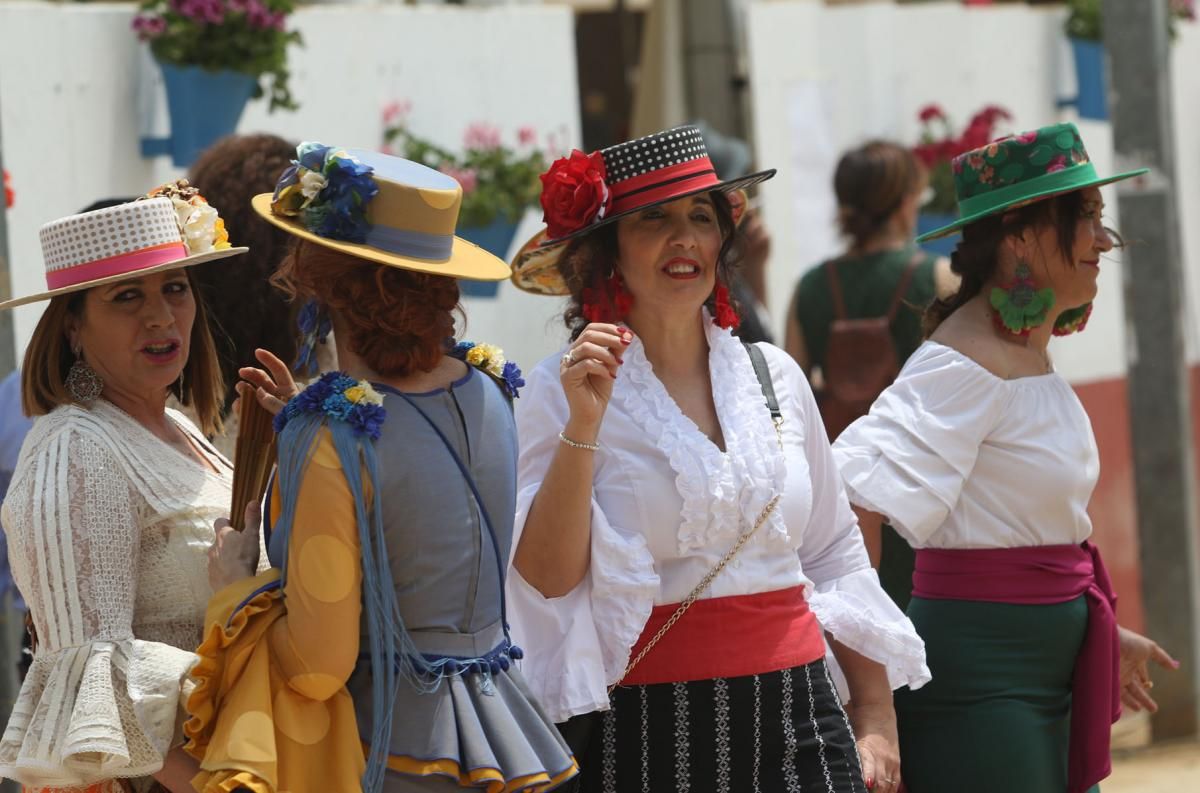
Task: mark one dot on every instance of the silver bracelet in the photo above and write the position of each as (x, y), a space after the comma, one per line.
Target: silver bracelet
(591, 447)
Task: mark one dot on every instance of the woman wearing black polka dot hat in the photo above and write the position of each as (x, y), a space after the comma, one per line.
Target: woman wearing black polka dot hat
(684, 545)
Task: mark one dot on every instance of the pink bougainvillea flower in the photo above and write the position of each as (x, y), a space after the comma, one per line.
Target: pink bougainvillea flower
(464, 176)
(396, 110)
(526, 136)
(481, 135)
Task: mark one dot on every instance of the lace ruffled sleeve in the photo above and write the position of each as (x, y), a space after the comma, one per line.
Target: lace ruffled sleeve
(908, 459)
(577, 644)
(97, 702)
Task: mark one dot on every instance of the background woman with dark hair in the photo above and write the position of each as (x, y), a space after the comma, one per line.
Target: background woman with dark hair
(245, 311)
(983, 458)
(879, 189)
(685, 547)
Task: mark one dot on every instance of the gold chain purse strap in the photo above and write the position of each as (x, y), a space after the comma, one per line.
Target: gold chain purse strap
(768, 389)
(698, 591)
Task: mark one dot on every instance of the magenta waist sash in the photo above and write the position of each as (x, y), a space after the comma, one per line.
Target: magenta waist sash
(1038, 576)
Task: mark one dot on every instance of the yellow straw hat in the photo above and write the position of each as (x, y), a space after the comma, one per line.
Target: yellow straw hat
(380, 208)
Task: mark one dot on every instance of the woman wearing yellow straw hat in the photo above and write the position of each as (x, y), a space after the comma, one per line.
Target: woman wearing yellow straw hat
(684, 542)
(982, 458)
(390, 521)
(111, 505)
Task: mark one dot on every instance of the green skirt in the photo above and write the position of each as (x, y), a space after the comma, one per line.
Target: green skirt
(996, 716)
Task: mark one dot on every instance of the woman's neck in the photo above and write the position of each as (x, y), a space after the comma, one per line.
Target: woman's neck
(673, 343)
(445, 372)
(149, 410)
(886, 240)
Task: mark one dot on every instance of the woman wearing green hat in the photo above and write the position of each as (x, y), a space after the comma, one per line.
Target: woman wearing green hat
(982, 457)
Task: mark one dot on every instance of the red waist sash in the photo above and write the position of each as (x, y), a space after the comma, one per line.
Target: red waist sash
(1041, 575)
(729, 637)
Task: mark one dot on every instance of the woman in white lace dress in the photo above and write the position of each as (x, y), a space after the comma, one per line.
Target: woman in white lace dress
(664, 466)
(109, 515)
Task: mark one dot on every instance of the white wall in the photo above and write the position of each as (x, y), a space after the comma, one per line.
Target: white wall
(70, 111)
(825, 78)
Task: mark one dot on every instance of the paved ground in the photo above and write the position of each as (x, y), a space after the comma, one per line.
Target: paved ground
(1160, 769)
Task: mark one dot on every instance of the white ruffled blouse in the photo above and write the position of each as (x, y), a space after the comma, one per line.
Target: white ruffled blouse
(956, 457)
(108, 530)
(667, 504)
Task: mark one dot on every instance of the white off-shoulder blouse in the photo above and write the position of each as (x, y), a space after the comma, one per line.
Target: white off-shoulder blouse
(956, 457)
(108, 530)
(667, 504)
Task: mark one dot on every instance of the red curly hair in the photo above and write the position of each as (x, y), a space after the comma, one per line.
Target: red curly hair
(398, 320)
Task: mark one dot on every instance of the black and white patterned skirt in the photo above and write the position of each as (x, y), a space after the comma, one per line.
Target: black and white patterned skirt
(780, 732)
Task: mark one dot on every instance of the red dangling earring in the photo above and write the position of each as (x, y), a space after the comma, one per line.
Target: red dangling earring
(610, 301)
(724, 316)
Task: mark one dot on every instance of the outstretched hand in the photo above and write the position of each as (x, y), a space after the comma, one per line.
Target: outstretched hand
(272, 386)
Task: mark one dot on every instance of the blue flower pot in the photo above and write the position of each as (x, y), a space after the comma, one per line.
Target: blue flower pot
(1092, 99)
(203, 106)
(928, 221)
(495, 238)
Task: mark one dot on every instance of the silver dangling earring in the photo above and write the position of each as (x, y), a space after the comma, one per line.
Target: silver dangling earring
(82, 383)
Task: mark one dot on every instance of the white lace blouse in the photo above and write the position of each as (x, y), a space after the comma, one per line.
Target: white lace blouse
(957, 457)
(666, 506)
(108, 529)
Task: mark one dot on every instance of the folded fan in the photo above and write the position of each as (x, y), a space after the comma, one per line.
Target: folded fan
(252, 458)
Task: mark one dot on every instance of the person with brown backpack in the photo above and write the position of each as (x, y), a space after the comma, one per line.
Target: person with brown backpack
(855, 319)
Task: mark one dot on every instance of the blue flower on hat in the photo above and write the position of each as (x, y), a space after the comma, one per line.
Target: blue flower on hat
(328, 190)
(339, 211)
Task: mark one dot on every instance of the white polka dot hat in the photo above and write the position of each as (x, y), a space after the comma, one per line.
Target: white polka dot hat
(582, 193)
(124, 241)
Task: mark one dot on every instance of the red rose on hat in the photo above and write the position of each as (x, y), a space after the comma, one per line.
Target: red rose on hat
(574, 193)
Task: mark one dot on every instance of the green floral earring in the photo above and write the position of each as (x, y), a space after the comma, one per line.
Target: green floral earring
(1021, 306)
(1072, 320)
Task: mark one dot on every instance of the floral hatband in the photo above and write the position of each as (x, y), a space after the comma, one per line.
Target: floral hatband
(328, 191)
(202, 228)
(340, 397)
(489, 359)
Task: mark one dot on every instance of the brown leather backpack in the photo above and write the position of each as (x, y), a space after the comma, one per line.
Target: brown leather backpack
(860, 356)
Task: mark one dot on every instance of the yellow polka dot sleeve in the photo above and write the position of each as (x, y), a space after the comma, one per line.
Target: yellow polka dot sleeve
(316, 644)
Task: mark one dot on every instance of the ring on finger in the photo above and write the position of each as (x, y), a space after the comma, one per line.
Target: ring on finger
(568, 357)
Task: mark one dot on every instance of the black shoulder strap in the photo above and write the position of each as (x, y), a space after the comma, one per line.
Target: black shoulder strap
(764, 380)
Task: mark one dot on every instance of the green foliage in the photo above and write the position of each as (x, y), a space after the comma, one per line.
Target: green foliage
(1085, 19)
(246, 36)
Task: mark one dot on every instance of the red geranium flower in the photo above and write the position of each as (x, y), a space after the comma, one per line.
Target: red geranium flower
(931, 112)
(574, 193)
(9, 195)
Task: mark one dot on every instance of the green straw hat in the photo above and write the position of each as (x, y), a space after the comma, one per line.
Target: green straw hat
(1019, 170)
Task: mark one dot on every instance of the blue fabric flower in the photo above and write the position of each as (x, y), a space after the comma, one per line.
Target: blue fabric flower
(368, 420)
(327, 396)
(312, 155)
(513, 382)
(315, 326)
(289, 177)
(340, 211)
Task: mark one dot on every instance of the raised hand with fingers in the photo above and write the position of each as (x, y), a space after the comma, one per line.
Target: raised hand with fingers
(588, 370)
(272, 386)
